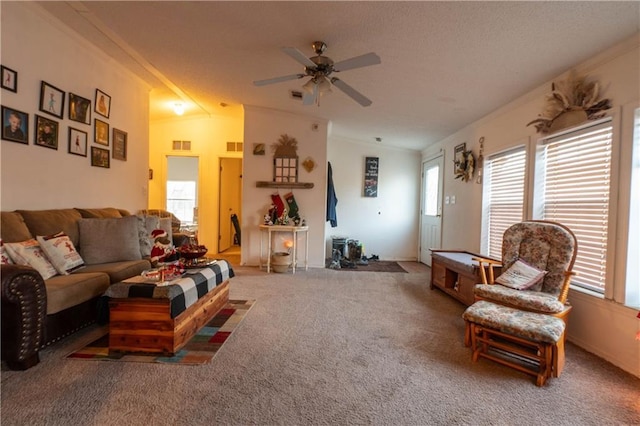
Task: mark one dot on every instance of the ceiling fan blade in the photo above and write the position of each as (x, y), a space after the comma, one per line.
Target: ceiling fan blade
(351, 92)
(357, 62)
(277, 79)
(298, 56)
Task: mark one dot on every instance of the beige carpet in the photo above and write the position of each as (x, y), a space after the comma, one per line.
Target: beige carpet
(324, 347)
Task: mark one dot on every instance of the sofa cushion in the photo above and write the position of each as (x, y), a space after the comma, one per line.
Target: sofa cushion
(49, 222)
(4, 256)
(99, 213)
(14, 229)
(66, 291)
(60, 252)
(29, 253)
(109, 240)
(119, 271)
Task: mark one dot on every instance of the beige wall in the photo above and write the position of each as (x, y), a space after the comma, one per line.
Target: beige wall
(209, 137)
(601, 325)
(266, 126)
(39, 48)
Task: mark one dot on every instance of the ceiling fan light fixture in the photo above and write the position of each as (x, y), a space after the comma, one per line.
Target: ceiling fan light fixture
(324, 86)
(309, 86)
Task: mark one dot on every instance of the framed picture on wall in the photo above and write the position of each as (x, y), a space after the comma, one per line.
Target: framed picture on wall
(15, 125)
(101, 132)
(79, 109)
(46, 132)
(9, 79)
(77, 142)
(100, 157)
(458, 158)
(102, 103)
(119, 145)
(51, 99)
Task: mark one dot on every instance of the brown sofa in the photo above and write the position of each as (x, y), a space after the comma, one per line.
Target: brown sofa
(37, 312)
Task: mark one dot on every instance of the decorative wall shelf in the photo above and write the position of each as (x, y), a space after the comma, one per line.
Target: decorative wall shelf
(299, 185)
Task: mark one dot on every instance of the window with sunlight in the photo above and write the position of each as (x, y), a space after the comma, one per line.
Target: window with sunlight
(181, 199)
(502, 197)
(632, 291)
(573, 181)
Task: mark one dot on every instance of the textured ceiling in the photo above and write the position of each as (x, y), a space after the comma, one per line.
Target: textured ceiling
(444, 64)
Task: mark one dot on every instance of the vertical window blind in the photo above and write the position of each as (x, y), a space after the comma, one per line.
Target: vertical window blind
(577, 178)
(504, 196)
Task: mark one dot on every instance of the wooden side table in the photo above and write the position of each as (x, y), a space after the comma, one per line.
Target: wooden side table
(455, 273)
(294, 230)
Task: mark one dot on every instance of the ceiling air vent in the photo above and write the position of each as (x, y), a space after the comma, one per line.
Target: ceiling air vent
(296, 95)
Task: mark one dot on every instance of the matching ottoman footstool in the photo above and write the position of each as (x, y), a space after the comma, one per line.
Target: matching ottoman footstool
(526, 341)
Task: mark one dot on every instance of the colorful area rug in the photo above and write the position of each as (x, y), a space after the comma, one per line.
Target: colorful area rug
(374, 266)
(199, 350)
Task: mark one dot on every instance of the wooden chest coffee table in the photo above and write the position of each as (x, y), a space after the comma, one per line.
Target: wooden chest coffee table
(151, 319)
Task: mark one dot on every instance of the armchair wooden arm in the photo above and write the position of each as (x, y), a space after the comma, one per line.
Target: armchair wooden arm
(490, 264)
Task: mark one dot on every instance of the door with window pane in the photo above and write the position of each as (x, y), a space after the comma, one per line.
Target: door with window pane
(431, 209)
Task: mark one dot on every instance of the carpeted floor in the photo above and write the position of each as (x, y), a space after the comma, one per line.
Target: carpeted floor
(324, 347)
(200, 349)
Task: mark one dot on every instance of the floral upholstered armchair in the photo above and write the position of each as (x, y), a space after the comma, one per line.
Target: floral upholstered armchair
(545, 246)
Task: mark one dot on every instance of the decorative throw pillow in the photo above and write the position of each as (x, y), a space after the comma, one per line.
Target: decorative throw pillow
(520, 276)
(29, 253)
(61, 252)
(146, 225)
(109, 240)
(4, 256)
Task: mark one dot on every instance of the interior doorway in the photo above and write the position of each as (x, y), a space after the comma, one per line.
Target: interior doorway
(230, 238)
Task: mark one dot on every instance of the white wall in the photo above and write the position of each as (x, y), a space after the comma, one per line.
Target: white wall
(265, 126)
(386, 225)
(39, 48)
(604, 327)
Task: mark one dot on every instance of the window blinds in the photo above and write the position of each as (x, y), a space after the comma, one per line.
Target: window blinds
(577, 177)
(504, 183)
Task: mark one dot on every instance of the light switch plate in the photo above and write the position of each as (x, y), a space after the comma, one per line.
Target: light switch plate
(446, 200)
(453, 199)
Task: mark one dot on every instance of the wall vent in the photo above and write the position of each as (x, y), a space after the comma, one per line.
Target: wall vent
(181, 145)
(296, 94)
(234, 146)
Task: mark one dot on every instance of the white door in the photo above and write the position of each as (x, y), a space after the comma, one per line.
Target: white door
(431, 207)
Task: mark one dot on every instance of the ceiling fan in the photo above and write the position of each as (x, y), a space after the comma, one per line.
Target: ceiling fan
(319, 68)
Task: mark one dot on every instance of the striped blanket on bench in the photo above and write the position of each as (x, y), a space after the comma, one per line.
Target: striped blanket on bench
(182, 293)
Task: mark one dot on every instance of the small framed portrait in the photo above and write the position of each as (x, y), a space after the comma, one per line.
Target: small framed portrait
(119, 151)
(102, 103)
(9, 79)
(15, 125)
(46, 132)
(51, 99)
(100, 157)
(101, 132)
(77, 142)
(79, 109)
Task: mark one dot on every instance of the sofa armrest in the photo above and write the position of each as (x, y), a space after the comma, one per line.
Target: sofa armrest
(23, 311)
